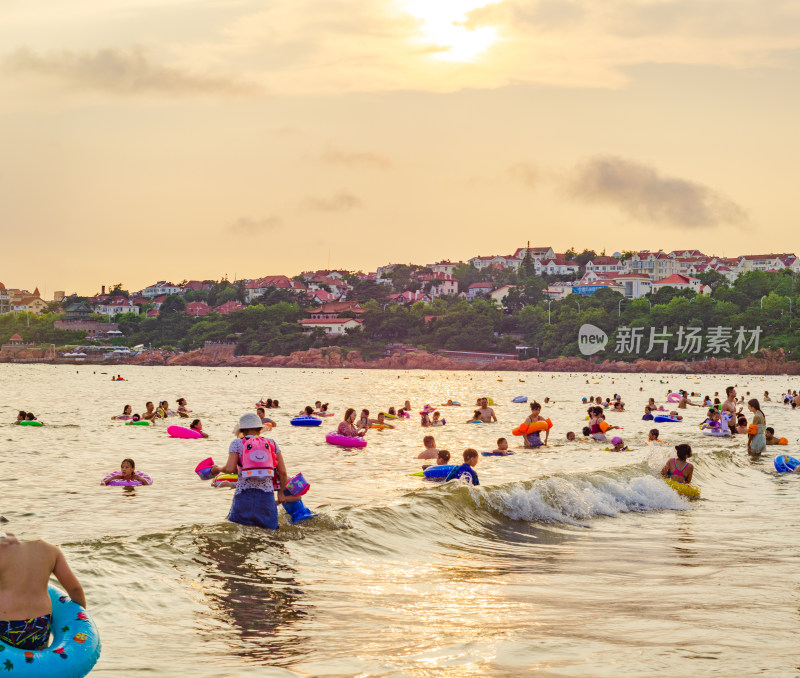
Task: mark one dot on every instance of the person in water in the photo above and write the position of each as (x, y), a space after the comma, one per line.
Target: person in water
(756, 442)
(771, 438)
(127, 472)
(21, 416)
(476, 418)
(467, 469)
(126, 413)
(150, 413)
(678, 468)
(347, 426)
(648, 414)
(197, 425)
(502, 447)
(261, 470)
(430, 451)
(442, 458)
(487, 414)
(652, 437)
(26, 614)
(533, 439)
(262, 413)
(182, 411)
(618, 445)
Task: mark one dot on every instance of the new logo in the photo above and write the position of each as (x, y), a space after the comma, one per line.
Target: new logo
(591, 339)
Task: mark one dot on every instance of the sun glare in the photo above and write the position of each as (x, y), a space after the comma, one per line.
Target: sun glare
(442, 27)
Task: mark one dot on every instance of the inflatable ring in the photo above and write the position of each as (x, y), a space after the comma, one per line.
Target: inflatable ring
(496, 454)
(181, 432)
(30, 423)
(72, 654)
(525, 429)
(674, 398)
(344, 441)
(225, 480)
(752, 429)
(783, 441)
(438, 472)
(520, 399)
(126, 483)
(141, 422)
(683, 489)
(305, 420)
(786, 464)
(380, 427)
(664, 419)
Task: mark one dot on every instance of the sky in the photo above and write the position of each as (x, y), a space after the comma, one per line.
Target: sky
(145, 140)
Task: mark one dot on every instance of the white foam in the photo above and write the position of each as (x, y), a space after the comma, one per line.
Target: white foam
(576, 500)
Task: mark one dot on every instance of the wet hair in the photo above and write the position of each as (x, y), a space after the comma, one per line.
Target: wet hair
(275, 404)
(348, 412)
(261, 411)
(535, 406)
(771, 430)
(501, 440)
(587, 431)
(125, 408)
(728, 390)
(324, 407)
(309, 410)
(194, 423)
(365, 412)
(648, 408)
(30, 416)
(683, 450)
(181, 401)
(392, 411)
(753, 402)
(149, 402)
(444, 455)
(22, 413)
(428, 440)
(130, 461)
(269, 402)
(654, 432)
(469, 453)
(476, 414)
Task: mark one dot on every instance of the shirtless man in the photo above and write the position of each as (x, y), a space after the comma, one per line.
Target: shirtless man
(487, 413)
(430, 451)
(25, 609)
(150, 414)
(730, 406)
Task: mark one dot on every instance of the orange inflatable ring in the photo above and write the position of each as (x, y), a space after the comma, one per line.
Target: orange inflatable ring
(752, 429)
(524, 429)
(783, 441)
(604, 426)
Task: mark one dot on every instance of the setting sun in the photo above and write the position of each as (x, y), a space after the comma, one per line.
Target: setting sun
(442, 25)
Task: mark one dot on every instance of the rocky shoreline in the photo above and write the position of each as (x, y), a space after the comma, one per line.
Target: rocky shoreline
(766, 363)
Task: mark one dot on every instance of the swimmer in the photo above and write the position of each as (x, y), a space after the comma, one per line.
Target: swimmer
(126, 413)
(571, 436)
(652, 437)
(442, 458)
(467, 469)
(675, 415)
(261, 412)
(430, 451)
(648, 413)
(307, 411)
(381, 421)
(487, 414)
(197, 425)
(618, 445)
(182, 411)
(502, 447)
(150, 413)
(364, 422)
(679, 469)
(21, 416)
(127, 472)
(533, 439)
(437, 420)
(347, 426)
(771, 438)
(25, 609)
(476, 418)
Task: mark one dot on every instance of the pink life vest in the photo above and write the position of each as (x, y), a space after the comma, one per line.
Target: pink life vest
(258, 459)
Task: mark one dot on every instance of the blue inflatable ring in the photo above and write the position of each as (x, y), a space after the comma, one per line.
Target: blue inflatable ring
(438, 472)
(305, 420)
(72, 654)
(520, 399)
(786, 464)
(664, 419)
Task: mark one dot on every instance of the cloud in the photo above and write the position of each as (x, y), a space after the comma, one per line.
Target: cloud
(248, 226)
(647, 196)
(526, 174)
(119, 71)
(356, 159)
(341, 202)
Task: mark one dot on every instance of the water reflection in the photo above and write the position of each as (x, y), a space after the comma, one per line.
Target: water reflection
(250, 586)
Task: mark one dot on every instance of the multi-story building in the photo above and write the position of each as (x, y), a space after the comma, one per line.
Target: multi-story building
(160, 288)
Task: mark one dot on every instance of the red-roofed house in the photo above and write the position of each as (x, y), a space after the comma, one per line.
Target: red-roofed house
(657, 265)
(229, 307)
(334, 309)
(442, 284)
(331, 325)
(535, 253)
(197, 308)
(478, 288)
(410, 297)
(195, 286)
(604, 265)
(558, 265)
(117, 305)
(681, 282)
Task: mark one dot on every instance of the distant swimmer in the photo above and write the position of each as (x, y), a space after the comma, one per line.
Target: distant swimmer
(127, 413)
(487, 414)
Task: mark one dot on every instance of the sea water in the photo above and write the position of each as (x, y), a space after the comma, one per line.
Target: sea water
(566, 561)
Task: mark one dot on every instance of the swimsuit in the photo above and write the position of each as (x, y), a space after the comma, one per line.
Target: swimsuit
(677, 471)
(26, 634)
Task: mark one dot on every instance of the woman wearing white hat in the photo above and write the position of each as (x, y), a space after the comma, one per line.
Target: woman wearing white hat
(261, 470)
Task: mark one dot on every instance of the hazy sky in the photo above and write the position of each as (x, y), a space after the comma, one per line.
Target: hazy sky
(143, 140)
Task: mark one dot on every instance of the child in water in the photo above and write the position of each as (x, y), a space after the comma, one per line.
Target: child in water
(648, 414)
(679, 469)
(197, 425)
(467, 469)
(502, 447)
(476, 418)
(618, 445)
(652, 437)
(442, 458)
(127, 472)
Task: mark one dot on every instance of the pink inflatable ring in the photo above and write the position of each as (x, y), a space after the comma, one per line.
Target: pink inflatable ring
(181, 432)
(126, 483)
(344, 441)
